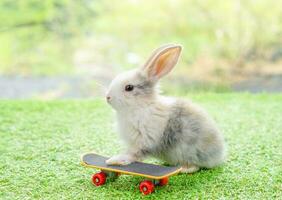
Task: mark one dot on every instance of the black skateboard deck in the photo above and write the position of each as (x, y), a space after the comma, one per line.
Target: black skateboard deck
(151, 171)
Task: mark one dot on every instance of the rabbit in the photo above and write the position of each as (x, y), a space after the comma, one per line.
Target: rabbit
(173, 130)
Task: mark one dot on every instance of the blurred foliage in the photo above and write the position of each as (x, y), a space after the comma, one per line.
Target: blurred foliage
(44, 37)
(39, 37)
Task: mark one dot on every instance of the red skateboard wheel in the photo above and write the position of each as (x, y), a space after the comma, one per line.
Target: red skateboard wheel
(163, 181)
(146, 187)
(99, 178)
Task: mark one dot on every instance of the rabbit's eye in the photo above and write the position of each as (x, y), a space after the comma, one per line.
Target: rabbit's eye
(129, 88)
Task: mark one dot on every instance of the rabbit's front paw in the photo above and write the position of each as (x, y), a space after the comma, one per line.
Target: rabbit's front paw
(119, 160)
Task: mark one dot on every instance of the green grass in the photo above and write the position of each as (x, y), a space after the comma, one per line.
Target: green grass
(41, 144)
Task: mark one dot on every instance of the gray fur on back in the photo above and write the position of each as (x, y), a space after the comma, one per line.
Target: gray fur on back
(190, 137)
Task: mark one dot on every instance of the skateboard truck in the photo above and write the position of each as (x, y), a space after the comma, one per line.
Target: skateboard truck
(146, 186)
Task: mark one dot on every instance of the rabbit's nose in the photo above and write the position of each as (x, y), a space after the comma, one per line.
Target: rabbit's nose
(108, 98)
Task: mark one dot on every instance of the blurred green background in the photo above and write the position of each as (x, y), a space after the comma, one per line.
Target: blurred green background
(228, 45)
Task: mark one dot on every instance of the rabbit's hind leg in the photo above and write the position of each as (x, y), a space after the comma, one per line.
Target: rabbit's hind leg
(190, 168)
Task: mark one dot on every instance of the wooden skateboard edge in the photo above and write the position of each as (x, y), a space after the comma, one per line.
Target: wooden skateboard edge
(126, 172)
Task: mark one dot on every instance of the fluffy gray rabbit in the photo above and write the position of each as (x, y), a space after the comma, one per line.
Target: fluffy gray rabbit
(174, 130)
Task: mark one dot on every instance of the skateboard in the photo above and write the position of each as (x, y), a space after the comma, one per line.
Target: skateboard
(157, 175)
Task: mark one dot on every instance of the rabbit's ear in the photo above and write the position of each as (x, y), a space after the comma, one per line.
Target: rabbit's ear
(162, 61)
